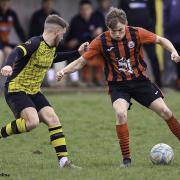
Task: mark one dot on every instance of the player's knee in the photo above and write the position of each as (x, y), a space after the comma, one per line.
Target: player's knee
(121, 116)
(52, 120)
(32, 123)
(165, 113)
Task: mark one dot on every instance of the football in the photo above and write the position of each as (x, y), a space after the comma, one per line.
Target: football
(161, 154)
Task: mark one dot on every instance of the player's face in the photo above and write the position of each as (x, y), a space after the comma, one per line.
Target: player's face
(59, 35)
(118, 32)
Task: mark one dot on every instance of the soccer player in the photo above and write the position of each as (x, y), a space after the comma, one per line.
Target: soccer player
(26, 67)
(121, 49)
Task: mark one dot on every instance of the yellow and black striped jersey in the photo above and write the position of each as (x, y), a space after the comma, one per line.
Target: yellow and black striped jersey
(30, 62)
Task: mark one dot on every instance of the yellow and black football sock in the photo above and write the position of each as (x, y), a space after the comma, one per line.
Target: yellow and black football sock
(58, 141)
(174, 126)
(15, 127)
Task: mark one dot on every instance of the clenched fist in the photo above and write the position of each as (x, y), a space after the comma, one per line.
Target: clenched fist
(6, 71)
(83, 48)
(59, 75)
(175, 57)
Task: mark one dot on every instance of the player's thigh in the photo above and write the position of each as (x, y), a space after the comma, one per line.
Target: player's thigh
(119, 95)
(31, 117)
(48, 116)
(18, 101)
(146, 92)
(40, 101)
(160, 107)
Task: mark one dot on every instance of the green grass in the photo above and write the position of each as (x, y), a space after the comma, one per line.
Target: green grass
(89, 125)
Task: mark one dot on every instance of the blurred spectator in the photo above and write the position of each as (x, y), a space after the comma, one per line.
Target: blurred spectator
(172, 29)
(39, 16)
(8, 21)
(36, 28)
(101, 11)
(84, 27)
(142, 13)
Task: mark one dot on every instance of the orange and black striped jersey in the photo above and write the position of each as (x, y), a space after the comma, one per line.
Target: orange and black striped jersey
(123, 60)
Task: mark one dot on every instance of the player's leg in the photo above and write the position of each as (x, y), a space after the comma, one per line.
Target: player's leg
(26, 115)
(121, 100)
(149, 95)
(163, 111)
(49, 117)
(121, 106)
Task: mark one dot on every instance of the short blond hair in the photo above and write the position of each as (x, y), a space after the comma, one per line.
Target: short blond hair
(114, 16)
(57, 20)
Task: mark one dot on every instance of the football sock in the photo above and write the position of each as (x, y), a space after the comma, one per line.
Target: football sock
(58, 141)
(123, 136)
(174, 126)
(15, 127)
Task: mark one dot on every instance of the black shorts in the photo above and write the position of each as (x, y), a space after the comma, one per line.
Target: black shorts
(17, 101)
(143, 91)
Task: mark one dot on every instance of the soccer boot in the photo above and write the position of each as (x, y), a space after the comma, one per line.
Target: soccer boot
(69, 164)
(126, 163)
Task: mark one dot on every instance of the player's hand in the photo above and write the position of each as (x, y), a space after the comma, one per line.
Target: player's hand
(59, 75)
(6, 70)
(175, 57)
(83, 48)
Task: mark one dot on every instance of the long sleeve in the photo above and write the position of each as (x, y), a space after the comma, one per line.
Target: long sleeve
(69, 56)
(22, 50)
(15, 55)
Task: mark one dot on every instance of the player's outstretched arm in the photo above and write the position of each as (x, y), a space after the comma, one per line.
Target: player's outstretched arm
(72, 67)
(166, 44)
(71, 55)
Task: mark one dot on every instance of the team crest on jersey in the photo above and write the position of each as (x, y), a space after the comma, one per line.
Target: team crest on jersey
(131, 44)
(28, 42)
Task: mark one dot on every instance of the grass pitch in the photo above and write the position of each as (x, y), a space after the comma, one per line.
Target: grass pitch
(89, 125)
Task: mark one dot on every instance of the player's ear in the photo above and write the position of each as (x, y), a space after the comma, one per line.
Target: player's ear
(56, 31)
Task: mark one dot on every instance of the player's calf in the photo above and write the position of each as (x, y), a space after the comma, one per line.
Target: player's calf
(174, 126)
(165, 113)
(59, 143)
(15, 127)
